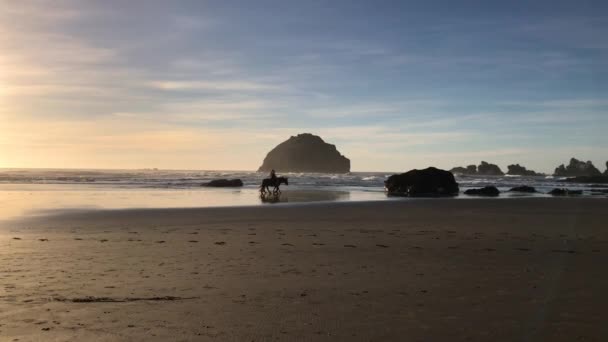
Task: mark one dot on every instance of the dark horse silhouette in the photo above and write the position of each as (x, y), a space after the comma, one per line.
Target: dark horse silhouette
(276, 183)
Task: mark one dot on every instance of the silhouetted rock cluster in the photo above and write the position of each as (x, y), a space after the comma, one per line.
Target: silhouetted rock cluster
(305, 153)
(484, 169)
(518, 170)
(428, 182)
(224, 183)
(577, 168)
(485, 191)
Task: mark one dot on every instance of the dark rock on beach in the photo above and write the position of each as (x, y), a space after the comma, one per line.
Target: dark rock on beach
(485, 191)
(428, 182)
(577, 168)
(518, 170)
(305, 153)
(523, 188)
(224, 183)
(565, 192)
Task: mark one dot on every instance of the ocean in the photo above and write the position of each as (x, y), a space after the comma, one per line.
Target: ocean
(35, 191)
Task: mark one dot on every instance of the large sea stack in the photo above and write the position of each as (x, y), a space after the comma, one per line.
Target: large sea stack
(305, 153)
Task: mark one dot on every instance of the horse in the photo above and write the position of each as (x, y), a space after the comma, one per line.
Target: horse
(266, 183)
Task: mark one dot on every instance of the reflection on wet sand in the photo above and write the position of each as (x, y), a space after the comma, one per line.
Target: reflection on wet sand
(299, 196)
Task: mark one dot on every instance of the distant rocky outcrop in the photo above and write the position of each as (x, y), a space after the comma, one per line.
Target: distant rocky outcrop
(485, 191)
(577, 168)
(469, 170)
(224, 183)
(305, 153)
(484, 169)
(487, 169)
(428, 182)
(524, 188)
(606, 172)
(518, 170)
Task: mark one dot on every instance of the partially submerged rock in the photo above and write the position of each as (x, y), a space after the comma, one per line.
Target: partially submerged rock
(485, 191)
(224, 183)
(428, 182)
(565, 192)
(524, 188)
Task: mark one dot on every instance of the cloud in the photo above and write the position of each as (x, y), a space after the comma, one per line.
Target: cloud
(220, 85)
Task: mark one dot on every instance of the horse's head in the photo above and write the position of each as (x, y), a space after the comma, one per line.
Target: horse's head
(286, 180)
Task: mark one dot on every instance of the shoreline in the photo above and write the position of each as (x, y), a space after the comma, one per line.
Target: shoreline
(37, 216)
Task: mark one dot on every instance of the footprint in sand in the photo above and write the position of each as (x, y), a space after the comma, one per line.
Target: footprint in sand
(220, 243)
(16, 238)
(381, 246)
(161, 241)
(77, 239)
(350, 246)
(318, 244)
(286, 244)
(103, 240)
(43, 240)
(193, 241)
(523, 249)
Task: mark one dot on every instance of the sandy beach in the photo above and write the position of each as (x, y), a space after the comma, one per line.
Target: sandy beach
(414, 270)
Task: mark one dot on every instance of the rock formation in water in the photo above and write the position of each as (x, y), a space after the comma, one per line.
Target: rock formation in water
(428, 182)
(577, 168)
(305, 153)
(224, 183)
(524, 188)
(565, 192)
(518, 170)
(469, 170)
(484, 169)
(487, 169)
(485, 191)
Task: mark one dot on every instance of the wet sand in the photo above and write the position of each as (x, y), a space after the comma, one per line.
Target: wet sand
(426, 270)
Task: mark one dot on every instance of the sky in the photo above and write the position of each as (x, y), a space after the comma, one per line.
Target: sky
(395, 85)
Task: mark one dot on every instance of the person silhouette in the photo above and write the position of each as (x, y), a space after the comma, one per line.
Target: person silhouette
(273, 176)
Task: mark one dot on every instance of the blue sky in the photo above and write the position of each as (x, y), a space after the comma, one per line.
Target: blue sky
(216, 84)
